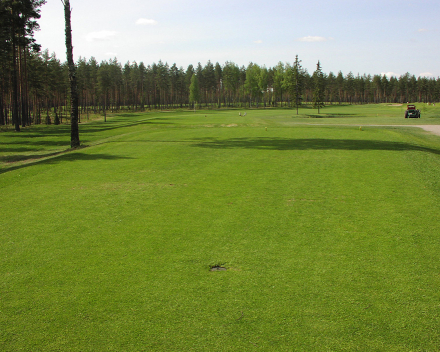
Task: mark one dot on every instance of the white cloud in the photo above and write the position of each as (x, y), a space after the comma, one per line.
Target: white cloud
(390, 74)
(110, 54)
(101, 35)
(311, 38)
(426, 74)
(146, 22)
(258, 41)
(422, 30)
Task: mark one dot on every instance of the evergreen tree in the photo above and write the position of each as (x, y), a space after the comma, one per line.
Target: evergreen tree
(331, 87)
(349, 87)
(340, 86)
(74, 130)
(218, 82)
(210, 81)
(318, 87)
(142, 75)
(17, 26)
(298, 82)
(104, 83)
(386, 85)
(194, 90)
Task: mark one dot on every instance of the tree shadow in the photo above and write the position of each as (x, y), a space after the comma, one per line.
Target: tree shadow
(65, 156)
(30, 142)
(24, 157)
(267, 143)
(329, 116)
(85, 128)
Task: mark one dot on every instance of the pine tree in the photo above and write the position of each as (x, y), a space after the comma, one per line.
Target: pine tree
(194, 91)
(74, 130)
(298, 82)
(17, 26)
(318, 87)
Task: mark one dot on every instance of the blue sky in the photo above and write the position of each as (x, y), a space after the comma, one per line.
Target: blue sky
(372, 37)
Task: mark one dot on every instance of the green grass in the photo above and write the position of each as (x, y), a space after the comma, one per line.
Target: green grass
(329, 233)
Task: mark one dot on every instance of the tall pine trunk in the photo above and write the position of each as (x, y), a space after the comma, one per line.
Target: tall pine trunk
(74, 131)
(15, 113)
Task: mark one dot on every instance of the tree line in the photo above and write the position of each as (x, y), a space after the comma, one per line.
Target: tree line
(34, 85)
(18, 22)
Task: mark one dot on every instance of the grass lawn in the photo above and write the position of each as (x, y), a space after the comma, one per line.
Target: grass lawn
(329, 233)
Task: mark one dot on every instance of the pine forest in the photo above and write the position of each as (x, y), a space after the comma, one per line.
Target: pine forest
(34, 84)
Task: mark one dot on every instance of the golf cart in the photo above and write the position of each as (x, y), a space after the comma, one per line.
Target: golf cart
(411, 111)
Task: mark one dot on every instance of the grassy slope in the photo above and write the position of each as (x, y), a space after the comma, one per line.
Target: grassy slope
(330, 235)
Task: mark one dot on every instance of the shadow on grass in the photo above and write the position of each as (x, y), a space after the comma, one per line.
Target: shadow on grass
(65, 156)
(41, 131)
(329, 116)
(308, 144)
(30, 142)
(27, 157)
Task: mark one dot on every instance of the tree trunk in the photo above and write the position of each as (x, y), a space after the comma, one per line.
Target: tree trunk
(74, 131)
(15, 115)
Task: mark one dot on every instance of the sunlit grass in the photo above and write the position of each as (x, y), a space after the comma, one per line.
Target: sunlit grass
(329, 235)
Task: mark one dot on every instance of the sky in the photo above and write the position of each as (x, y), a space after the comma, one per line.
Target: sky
(389, 37)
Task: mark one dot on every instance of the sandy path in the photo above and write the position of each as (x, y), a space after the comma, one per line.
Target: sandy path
(430, 128)
(435, 129)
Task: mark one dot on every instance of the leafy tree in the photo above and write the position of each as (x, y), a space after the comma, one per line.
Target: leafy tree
(293, 82)
(231, 79)
(263, 82)
(252, 83)
(278, 82)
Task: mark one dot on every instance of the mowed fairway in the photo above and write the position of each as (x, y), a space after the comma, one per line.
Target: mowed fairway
(330, 234)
